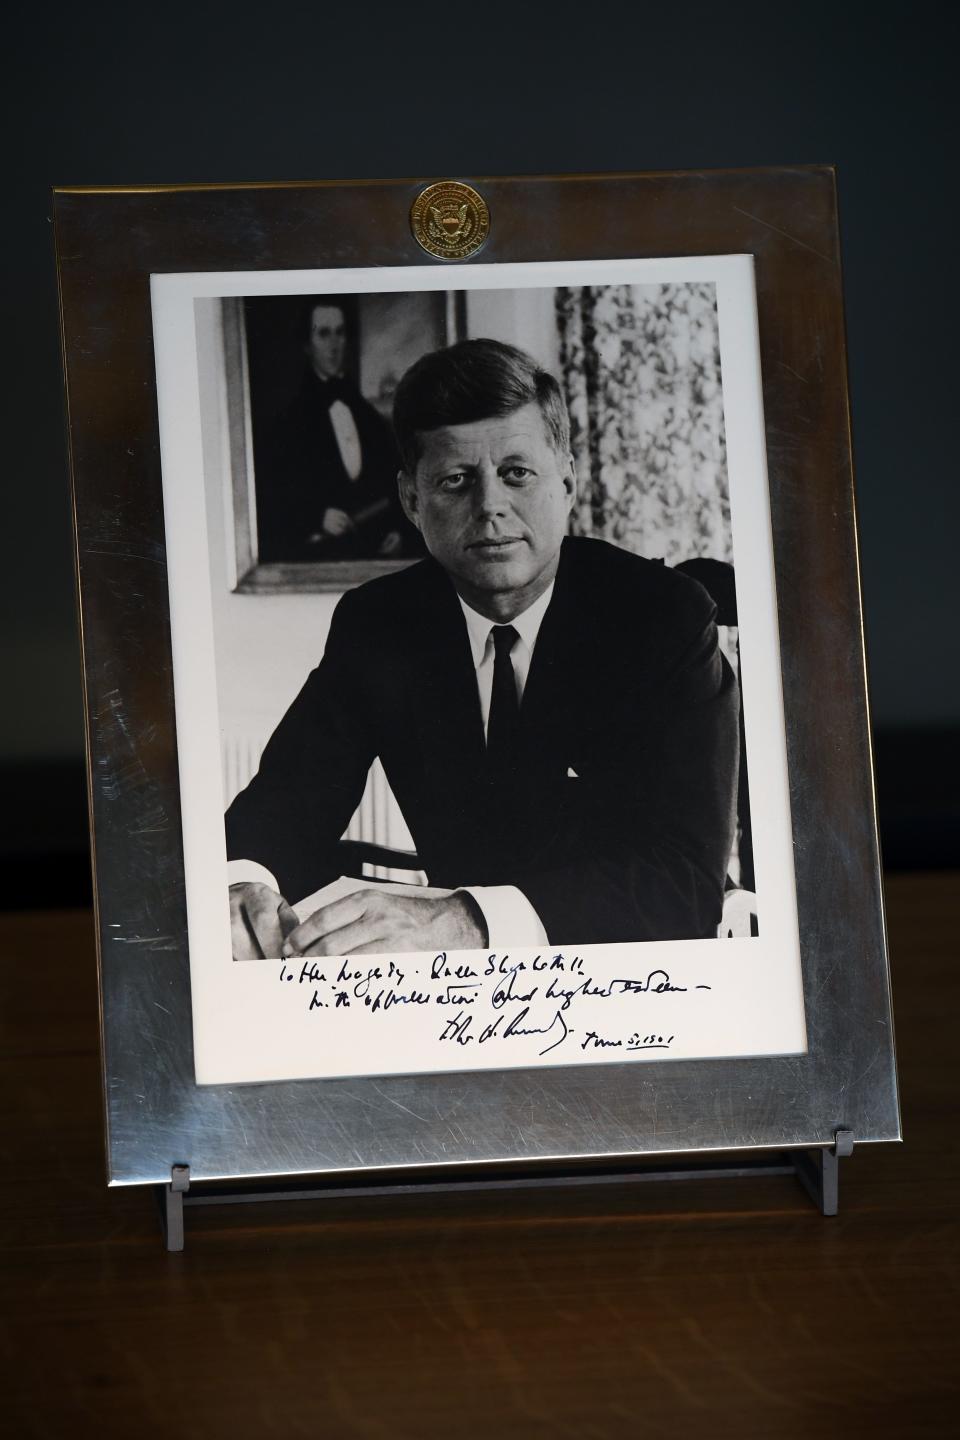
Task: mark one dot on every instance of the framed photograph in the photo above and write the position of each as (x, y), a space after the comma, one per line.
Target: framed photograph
(498, 785)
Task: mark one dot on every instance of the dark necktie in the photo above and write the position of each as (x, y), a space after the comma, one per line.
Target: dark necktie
(504, 721)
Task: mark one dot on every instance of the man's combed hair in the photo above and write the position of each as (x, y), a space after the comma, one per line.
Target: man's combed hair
(474, 380)
(305, 311)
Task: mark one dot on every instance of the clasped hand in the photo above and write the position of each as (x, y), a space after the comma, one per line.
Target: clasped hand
(364, 922)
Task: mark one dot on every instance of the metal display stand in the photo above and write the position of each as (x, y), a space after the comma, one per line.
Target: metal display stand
(817, 1171)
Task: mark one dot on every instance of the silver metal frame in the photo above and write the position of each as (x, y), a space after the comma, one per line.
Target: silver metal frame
(109, 242)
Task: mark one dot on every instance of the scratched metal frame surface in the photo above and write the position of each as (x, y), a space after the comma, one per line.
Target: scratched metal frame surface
(108, 243)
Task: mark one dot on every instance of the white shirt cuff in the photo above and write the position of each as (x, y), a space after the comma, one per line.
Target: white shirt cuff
(511, 919)
(250, 872)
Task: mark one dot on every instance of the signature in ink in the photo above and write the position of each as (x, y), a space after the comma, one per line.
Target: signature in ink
(459, 1028)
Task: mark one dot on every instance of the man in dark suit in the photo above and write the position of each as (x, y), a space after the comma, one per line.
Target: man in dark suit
(553, 714)
(326, 471)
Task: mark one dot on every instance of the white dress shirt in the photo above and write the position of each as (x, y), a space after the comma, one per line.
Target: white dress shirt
(510, 918)
(480, 630)
(348, 441)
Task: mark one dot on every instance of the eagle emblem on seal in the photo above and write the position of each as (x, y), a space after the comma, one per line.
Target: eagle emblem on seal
(449, 224)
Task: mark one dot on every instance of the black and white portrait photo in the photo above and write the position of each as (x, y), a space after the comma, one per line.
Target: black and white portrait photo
(482, 666)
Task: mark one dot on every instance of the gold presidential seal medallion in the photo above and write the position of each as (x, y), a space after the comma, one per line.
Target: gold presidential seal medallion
(450, 220)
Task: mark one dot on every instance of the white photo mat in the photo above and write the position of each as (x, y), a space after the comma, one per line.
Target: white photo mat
(269, 1021)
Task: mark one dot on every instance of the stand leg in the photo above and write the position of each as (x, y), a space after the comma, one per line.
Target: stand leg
(830, 1180)
(170, 1199)
(820, 1176)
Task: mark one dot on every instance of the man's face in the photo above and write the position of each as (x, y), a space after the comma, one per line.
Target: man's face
(327, 342)
(491, 499)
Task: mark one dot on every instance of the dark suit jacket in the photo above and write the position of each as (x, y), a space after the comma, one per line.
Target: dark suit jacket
(627, 689)
(300, 472)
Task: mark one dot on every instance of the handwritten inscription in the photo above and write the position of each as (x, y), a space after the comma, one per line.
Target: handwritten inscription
(538, 1006)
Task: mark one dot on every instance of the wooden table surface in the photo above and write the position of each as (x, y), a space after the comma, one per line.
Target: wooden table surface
(708, 1308)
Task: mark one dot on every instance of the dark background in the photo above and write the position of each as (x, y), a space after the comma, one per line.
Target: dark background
(129, 94)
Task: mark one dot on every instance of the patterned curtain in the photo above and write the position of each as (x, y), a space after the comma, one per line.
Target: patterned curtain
(641, 371)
